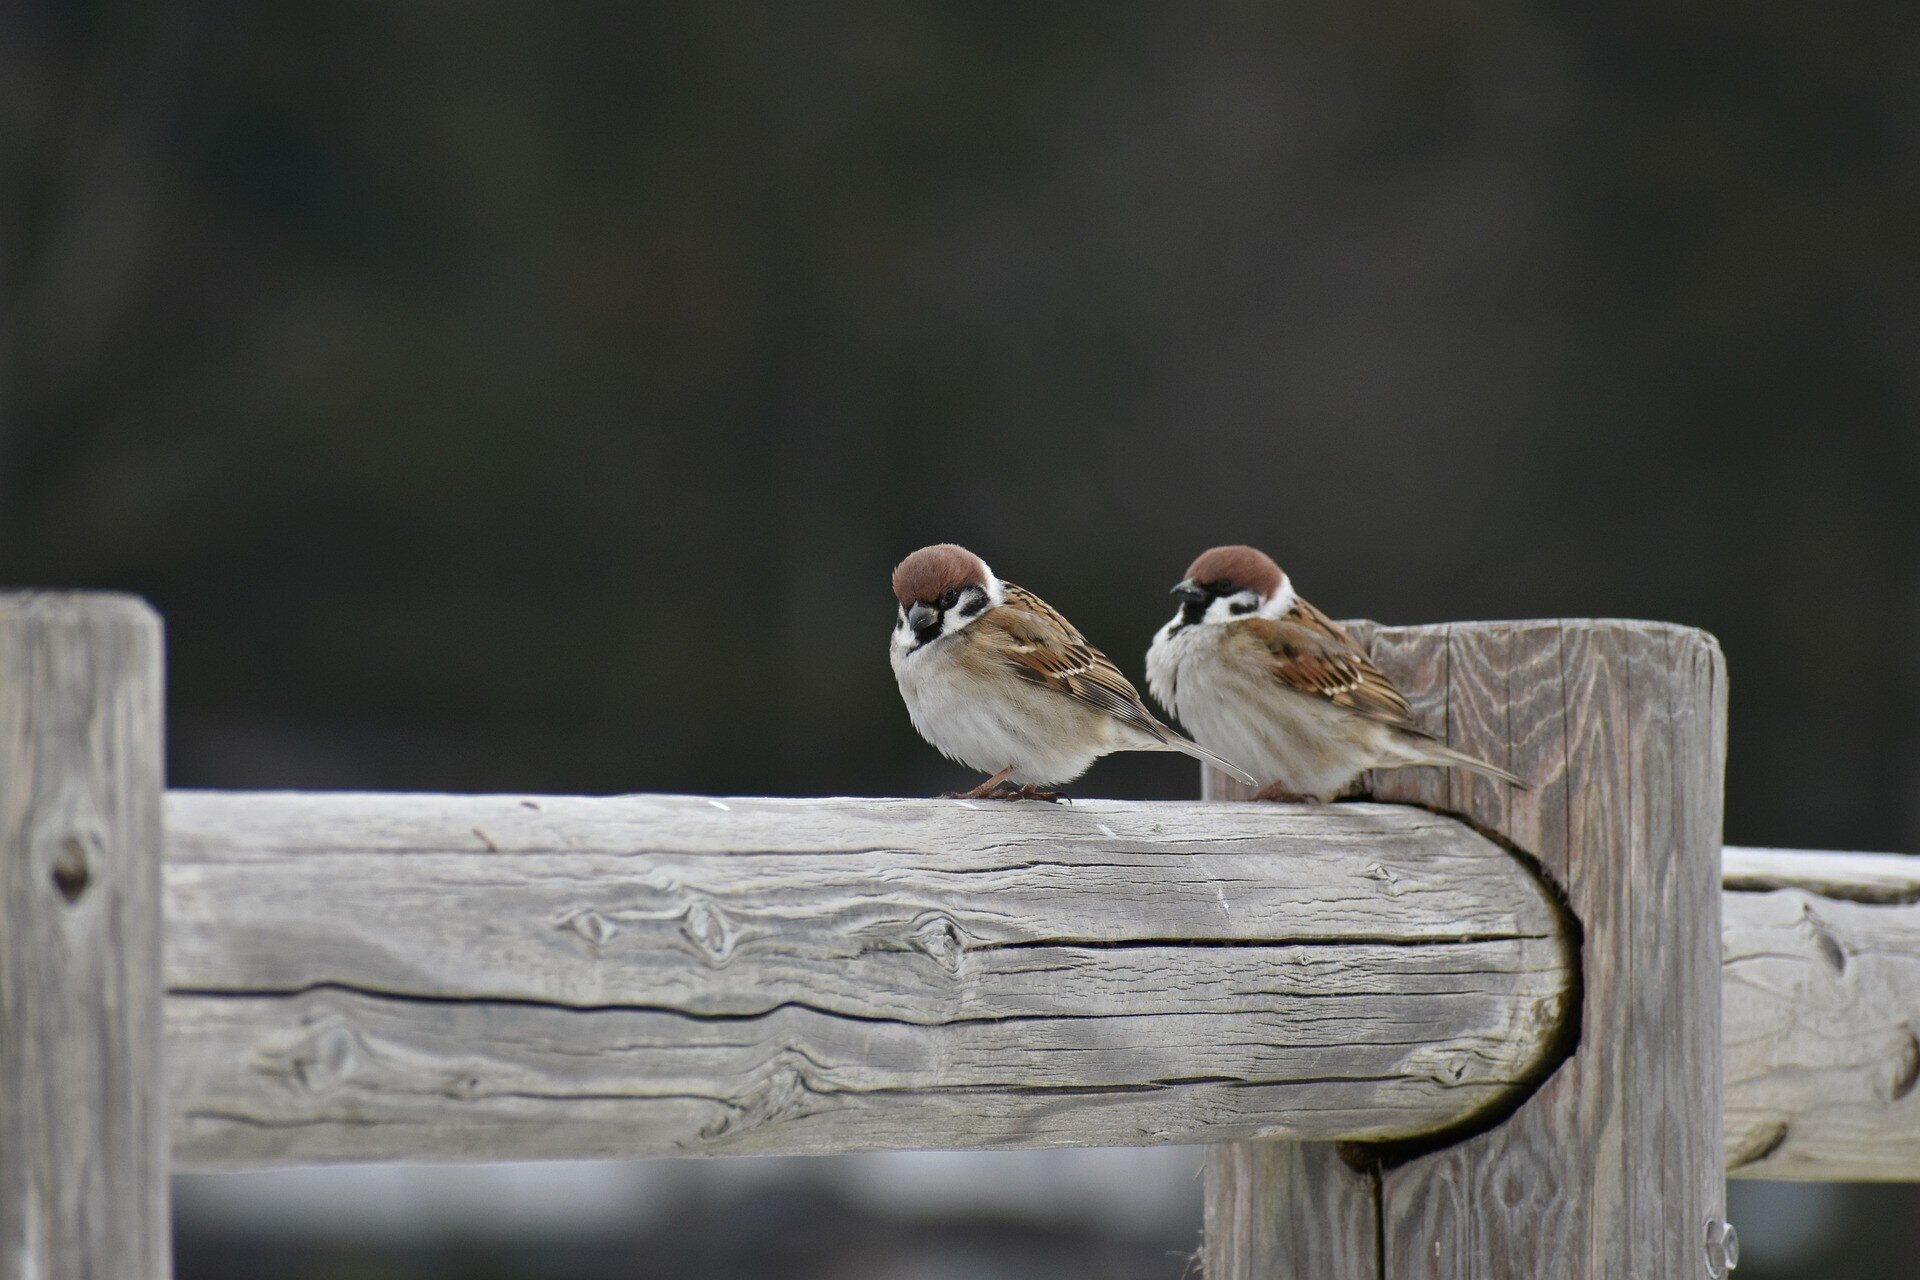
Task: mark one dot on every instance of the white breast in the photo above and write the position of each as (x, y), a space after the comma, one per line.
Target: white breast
(990, 724)
(1302, 742)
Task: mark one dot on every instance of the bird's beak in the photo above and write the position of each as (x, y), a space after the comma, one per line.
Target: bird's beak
(1190, 592)
(920, 617)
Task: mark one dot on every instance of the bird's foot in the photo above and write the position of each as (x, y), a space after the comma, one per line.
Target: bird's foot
(988, 790)
(995, 788)
(1278, 793)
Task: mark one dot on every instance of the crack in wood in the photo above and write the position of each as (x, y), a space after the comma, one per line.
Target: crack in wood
(1271, 944)
(1866, 894)
(588, 1009)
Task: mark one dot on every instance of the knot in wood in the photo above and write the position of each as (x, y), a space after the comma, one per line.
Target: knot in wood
(786, 1093)
(1548, 1011)
(1385, 875)
(1824, 941)
(72, 869)
(315, 1063)
(66, 832)
(937, 936)
(463, 1087)
(1906, 1063)
(710, 930)
(589, 924)
(1766, 1140)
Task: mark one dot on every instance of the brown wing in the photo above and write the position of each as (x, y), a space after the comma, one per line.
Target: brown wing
(1307, 651)
(1045, 648)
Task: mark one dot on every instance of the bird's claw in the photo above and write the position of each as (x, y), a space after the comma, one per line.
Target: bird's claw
(999, 792)
(993, 788)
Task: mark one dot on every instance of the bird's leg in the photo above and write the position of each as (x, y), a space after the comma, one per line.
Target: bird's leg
(1034, 793)
(986, 790)
(1284, 796)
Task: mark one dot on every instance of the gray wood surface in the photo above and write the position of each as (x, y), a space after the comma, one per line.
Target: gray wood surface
(83, 1153)
(385, 977)
(1822, 956)
(1287, 1211)
(1613, 1167)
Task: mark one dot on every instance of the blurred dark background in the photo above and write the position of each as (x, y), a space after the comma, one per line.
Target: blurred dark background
(528, 397)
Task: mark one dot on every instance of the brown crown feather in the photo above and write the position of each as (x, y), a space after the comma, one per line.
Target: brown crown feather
(1247, 568)
(931, 572)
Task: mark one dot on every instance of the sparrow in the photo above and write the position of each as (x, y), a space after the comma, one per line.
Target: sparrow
(1254, 671)
(996, 679)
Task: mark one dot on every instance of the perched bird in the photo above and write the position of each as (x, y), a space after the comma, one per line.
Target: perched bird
(998, 681)
(1253, 671)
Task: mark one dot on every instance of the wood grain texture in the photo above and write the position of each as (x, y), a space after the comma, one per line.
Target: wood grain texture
(498, 977)
(1822, 973)
(82, 1118)
(1611, 1167)
(1286, 1210)
(1697, 1091)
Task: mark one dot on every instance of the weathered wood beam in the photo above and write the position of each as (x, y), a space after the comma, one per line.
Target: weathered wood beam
(83, 1138)
(1822, 972)
(392, 977)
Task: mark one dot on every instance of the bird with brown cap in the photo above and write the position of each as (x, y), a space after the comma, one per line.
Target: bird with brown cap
(997, 680)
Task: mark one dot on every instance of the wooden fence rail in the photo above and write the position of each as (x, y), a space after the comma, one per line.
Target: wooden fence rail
(1822, 991)
(381, 977)
(1487, 1044)
(897, 970)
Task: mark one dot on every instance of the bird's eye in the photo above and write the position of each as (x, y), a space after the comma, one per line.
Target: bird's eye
(1223, 587)
(950, 598)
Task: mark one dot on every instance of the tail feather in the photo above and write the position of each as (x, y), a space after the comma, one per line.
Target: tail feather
(1481, 767)
(1188, 746)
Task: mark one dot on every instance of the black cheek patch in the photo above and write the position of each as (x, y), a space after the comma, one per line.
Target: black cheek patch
(976, 601)
(1243, 606)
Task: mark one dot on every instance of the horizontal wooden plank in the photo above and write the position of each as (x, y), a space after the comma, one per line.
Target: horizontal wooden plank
(1822, 1009)
(1887, 879)
(389, 977)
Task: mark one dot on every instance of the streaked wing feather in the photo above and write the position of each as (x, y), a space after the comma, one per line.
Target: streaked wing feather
(1045, 648)
(1308, 652)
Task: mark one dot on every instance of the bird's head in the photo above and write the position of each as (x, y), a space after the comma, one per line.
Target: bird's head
(941, 589)
(1227, 584)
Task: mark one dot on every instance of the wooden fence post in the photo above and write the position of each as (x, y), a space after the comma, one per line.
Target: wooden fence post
(1613, 1169)
(83, 1133)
